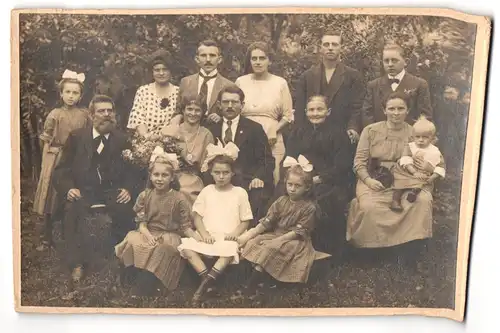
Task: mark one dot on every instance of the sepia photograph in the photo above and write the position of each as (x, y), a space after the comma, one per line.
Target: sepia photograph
(246, 161)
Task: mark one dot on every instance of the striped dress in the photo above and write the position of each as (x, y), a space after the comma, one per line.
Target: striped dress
(291, 260)
(167, 215)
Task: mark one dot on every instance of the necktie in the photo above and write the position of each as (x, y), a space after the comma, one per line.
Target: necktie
(204, 89)
(100, 142)
(228, 135)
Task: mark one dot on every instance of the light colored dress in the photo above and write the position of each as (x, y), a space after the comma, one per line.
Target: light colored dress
(431, 154)
(222, 212)
(292, 260)
(193, 153)
(58, 125)
(267, 102)
(167, 215)
(147, 108)
(371, 223)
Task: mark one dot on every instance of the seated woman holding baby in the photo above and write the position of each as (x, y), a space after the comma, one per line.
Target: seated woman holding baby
(377, 217)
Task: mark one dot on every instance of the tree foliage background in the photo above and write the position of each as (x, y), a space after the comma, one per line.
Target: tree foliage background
(116, 47)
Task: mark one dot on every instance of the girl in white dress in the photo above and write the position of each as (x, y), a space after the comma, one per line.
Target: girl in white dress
(221, 214)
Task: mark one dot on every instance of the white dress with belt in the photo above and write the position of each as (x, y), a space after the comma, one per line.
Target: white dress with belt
(267, 102)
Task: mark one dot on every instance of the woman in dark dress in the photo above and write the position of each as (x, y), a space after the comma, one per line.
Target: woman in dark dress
(328, 150)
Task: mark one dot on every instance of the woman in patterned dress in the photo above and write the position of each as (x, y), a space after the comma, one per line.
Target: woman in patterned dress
(154, 103)
(268, 100)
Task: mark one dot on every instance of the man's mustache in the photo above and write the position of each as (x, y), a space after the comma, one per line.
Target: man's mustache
(109, 120)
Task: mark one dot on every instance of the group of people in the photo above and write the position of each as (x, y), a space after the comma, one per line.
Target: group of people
(267, 178)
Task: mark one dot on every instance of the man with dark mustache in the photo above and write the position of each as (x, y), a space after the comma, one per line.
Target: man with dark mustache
(93, 172)
(206, 83)
(255, 163)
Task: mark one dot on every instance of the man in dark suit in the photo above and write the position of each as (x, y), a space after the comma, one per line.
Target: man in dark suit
(92, 172)
(207, 83)
(396, 79)
(255, 163)
(342, 85)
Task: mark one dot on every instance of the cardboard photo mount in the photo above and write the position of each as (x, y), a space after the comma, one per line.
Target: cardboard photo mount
(469, 181)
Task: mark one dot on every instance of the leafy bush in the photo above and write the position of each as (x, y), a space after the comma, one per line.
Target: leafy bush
(113, 51)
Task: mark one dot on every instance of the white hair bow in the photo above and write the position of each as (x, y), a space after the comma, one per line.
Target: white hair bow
(80, 77)
(160, 152)
(230, 150)
(302, 161)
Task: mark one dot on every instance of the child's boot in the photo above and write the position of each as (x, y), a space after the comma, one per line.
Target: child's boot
(396, 201)
(198, 294)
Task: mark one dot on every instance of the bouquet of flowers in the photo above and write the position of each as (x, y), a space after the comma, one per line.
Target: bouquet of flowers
(142, 149)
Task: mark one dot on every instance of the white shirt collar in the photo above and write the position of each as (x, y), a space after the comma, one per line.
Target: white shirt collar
(399, 76)
(233, 121)
(212, 73)
(95, 134)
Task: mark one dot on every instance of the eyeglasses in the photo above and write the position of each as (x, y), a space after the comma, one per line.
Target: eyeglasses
(226, 102)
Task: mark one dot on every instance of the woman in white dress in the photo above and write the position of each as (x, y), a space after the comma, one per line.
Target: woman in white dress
(154, 103)
(268, 100)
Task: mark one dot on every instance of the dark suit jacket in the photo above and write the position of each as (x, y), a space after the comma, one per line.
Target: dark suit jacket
(345, 95)
(255, 159)
(76, 160)
(189, 87)
(416, 88)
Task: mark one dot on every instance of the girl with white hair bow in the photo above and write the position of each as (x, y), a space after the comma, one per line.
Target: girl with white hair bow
(221, 213)
(59, 123)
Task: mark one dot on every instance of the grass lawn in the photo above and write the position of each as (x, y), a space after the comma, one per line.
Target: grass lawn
(45, 279)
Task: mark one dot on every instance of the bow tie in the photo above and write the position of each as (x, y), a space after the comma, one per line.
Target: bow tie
(100, 138)
(391, 81)
(207, 77)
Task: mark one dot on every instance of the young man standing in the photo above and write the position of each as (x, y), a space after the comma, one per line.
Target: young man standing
(396, 79)
(342, 85)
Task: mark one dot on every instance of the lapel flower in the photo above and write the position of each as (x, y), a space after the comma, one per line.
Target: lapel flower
(409, 91)
(165, 102)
